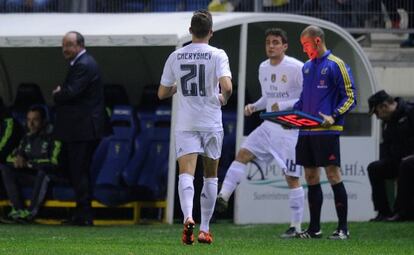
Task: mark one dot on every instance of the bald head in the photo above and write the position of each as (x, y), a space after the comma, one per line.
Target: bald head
(312, 39)
(73, 42)
(313, 32)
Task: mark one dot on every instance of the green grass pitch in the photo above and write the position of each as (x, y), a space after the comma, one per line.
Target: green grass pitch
(366, 238)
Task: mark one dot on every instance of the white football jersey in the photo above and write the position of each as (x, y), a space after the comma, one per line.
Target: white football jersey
(281, 83)
(196, 69)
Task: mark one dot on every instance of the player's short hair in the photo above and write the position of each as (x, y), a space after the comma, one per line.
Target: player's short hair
(201, 23)
(277, 32)
(80, 40)
(313, 31)
(39, 109)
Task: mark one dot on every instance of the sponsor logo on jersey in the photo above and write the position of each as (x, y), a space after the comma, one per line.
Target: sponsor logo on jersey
(284, 78)
(324, 70)
(282, 94)
(273, 77)
(306, 71)
(322, 85)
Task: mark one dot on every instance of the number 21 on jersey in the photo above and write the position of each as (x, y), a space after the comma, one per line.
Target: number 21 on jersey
(193, 88)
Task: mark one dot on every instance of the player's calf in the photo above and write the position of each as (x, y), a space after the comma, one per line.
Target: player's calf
(221, 205)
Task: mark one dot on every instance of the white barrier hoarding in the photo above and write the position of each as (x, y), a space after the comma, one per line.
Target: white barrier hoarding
(263, 196)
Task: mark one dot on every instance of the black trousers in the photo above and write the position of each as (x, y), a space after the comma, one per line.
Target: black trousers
(378, 172)
(14, 179)
(79, 158)
(404, 202)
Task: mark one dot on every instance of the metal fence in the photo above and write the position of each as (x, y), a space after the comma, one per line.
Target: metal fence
(394, 14)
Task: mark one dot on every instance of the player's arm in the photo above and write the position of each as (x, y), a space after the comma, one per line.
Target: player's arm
(284, 105)
(224, 74)
(259, 105)
(226, 89)
(166, 91)
(299, 102)
(344, 81)
(168, 85)
(290, 104)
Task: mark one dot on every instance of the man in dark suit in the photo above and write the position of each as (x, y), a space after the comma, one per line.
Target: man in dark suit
(79, 120)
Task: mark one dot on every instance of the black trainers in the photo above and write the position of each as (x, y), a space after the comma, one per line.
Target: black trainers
(290, 233)
(379, 217)
(339, 235)
(307, 234)
(221, 205)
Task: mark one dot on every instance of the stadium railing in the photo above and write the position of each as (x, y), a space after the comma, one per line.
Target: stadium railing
(357, 16)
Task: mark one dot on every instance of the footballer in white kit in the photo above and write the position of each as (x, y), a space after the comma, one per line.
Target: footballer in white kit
(280, 78)
(197, 73)
(197, 68)
(281, 85)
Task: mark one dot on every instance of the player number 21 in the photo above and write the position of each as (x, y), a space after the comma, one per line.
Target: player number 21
(191, 88)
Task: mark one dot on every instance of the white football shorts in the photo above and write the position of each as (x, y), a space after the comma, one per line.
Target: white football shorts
(205, 143)
(268, 144)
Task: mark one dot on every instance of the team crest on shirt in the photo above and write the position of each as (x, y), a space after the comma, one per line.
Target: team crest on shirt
(324, 70)
(44, 147)
(306, 71)
(284, 78)
(273, 77)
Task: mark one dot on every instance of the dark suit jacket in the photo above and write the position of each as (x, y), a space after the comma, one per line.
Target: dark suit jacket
(80, 103)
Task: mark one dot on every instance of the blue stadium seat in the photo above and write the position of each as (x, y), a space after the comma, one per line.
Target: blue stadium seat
(113, 155)
(148, 169)
(141, 145)
(114, 94)
(27, 94)
(229, 143)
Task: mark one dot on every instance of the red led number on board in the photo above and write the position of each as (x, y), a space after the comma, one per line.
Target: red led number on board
(297, 121)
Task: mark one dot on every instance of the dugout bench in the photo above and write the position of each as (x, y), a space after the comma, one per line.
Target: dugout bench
(132, 209)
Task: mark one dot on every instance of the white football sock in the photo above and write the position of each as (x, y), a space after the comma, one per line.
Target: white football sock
(186, 194)
(296, 201)
(207, 201)
(234, 176)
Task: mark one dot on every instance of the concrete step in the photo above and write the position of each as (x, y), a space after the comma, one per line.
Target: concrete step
(381, 55)
(384, 50)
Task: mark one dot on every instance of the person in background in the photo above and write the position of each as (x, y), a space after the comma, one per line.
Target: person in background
(397, 157)
(31, 164)
(80, 121)
(281, 80)
(29, 5)
(409, 8)
(328, 92)
(10, 132)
